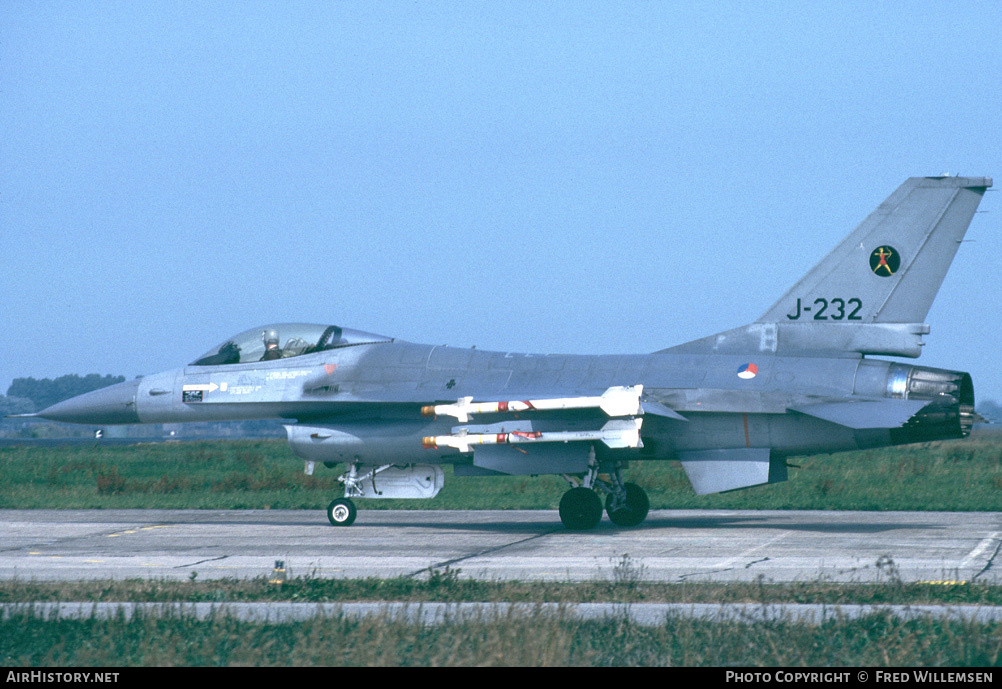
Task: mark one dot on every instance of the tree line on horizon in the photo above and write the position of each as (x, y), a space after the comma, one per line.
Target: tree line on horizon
(27, 395)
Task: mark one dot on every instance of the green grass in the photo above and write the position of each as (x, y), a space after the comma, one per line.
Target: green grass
(448, 586)
(964, 475)
(504, 640)
(535, 639)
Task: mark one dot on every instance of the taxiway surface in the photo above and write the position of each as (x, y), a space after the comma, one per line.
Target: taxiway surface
(672, 545)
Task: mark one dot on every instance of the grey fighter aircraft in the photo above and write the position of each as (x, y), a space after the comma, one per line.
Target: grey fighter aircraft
(732, 407)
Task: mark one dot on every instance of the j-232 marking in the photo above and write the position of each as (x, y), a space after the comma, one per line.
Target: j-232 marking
(838, 312)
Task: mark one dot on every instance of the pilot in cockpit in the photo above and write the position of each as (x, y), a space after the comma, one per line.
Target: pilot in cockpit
(271, 350)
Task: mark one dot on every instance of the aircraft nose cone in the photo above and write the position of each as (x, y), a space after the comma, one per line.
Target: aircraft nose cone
(110, 405)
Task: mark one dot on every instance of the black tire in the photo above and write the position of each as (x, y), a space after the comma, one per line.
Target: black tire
(636, 508)
(342, 512)
(580, 509)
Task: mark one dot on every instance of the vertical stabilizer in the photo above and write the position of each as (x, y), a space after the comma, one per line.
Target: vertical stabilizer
(872, 293)
(888, 269)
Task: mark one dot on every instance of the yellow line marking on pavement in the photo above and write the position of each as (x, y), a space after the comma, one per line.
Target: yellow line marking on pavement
(942, 583)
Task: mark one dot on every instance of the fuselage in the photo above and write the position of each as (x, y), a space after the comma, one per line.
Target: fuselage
(371, 394)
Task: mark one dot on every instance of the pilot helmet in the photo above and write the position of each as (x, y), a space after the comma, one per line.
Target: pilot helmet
(270, 337)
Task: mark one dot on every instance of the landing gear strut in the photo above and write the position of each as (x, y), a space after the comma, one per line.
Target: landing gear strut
(581, 508)
(342, 512)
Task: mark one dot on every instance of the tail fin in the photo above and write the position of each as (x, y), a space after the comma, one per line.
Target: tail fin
(888, 269)
(872, 293)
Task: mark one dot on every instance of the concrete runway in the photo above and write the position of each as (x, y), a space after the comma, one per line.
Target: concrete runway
(431, 612)
(672, 545)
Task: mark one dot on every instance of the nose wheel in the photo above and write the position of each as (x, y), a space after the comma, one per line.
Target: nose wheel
(342, 512)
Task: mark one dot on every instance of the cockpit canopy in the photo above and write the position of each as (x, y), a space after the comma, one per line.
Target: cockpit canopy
(282, 341)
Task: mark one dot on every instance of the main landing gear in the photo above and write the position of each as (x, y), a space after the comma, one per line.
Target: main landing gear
(581, 508)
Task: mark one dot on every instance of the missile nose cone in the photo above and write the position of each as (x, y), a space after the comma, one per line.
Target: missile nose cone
(110, 405)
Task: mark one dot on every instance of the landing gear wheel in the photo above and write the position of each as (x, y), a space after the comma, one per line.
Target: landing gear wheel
(634, 511)
(580, 509)
(342, 512)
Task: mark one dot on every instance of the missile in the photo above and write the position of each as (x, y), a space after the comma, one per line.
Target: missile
(617, 434)
(616, 401)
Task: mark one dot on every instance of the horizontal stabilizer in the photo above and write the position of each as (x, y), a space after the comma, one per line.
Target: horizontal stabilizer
(862, 414)
(714, 471)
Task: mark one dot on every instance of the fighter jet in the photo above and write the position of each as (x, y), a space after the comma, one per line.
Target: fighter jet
(732, 407)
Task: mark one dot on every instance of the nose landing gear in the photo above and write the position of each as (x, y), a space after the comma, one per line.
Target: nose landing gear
(342, 512)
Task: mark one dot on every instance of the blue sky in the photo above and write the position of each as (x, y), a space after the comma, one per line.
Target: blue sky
(547, 177)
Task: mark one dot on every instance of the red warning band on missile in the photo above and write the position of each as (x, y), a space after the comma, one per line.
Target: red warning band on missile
(618, 433)
(616, 401)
